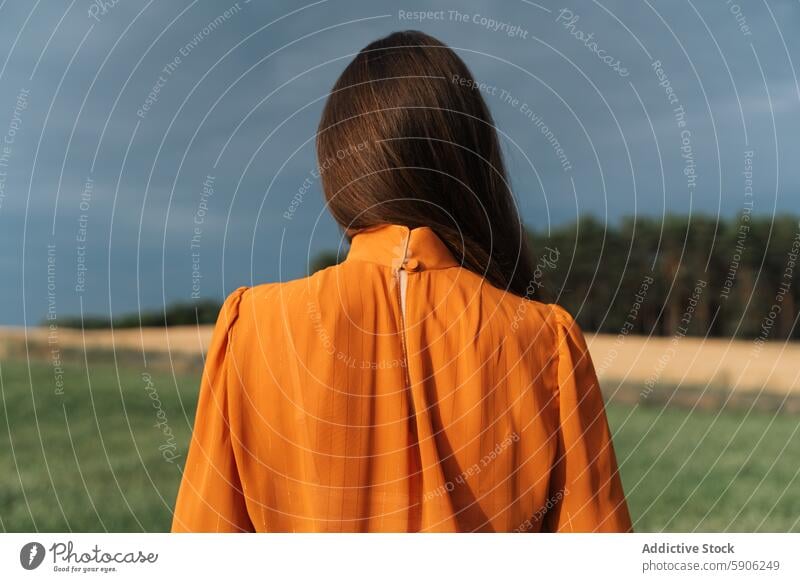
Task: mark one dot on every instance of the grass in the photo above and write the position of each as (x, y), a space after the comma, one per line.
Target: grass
(708, 471)
(89, 460)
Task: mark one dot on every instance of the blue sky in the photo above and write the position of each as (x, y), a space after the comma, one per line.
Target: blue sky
(236, 90)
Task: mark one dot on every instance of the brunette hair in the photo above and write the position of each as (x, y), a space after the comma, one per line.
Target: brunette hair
(406, 138)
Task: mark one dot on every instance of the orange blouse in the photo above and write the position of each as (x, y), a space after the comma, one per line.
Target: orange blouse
(398, 392)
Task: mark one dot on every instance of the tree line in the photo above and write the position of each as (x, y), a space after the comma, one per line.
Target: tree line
(688, 275)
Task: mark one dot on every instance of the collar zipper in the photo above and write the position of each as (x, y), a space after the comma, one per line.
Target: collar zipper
(401, 281)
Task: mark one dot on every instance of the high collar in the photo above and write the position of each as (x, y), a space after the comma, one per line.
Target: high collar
(393, 245)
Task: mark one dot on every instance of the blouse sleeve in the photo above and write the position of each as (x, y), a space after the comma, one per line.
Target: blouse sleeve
(586, 492)
(210, 498)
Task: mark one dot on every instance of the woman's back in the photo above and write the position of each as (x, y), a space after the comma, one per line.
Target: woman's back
(398, 391)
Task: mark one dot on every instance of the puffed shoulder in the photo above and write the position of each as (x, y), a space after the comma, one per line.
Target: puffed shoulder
(562, 316)
(567, 329)
(229, 312)
(572, 352)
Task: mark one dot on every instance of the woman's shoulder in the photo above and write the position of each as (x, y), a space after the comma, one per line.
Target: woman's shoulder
(554, 318)
(529, 311)
(262, 298)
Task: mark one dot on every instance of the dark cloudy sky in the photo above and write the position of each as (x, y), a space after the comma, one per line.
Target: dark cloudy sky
(238, 96)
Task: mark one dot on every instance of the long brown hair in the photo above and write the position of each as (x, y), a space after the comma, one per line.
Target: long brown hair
(406, 138)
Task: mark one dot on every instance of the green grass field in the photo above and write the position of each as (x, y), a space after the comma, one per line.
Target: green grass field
(90, 459)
